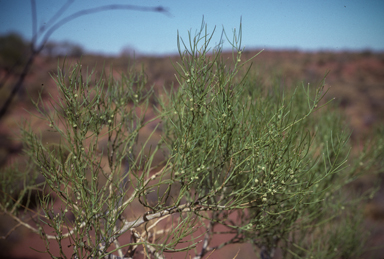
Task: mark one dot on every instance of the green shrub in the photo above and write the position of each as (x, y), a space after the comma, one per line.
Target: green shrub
(13, 51)
(268, 165)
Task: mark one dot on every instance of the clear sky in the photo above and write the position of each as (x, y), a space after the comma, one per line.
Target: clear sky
(287, 24)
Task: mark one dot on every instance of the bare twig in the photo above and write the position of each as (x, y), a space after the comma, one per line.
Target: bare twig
(34, 23)
(37, 48)
(104, 8)
(53, 18)
(17, 85)
(10, 231)
(207, 239)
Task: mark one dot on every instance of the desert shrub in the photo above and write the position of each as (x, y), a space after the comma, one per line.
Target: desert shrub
(13, 51)
(268, 165)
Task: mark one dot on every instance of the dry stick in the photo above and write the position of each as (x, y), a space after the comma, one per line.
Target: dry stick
(235, 255)
(117, 244)
(54, 27)
(207, 239)
(10, 231)
(231, 241)
(8, 74)
(17, 86)
(212, 253)
(35, 230)
(139, 238)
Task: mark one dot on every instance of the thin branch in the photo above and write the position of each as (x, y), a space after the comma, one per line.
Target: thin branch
(17, 86)
(117, 244)
(137, 239)
(99, 9)
(134, 194)
(207, 239)
(35, 230)
(37, 50)
(34, 24)
(154, 224)
(189, 207)
(10, 231)
(151, 248)
(234, 240)
(55, 16)
(8, 74)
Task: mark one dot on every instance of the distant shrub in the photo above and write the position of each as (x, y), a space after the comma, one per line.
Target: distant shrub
(13, 51)
(62, 49)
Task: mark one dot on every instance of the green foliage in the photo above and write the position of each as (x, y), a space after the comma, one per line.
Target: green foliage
(13, 50)
(270, 165)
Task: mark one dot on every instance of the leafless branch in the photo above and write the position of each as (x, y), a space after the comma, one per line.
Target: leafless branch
(55, 17)
(34, 23)
(234, 240)
(104, 8)
(37, 48)
(16, 87)
(10, 231)
(8, 73)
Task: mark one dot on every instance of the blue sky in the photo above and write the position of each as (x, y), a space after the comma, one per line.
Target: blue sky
(287, 24)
